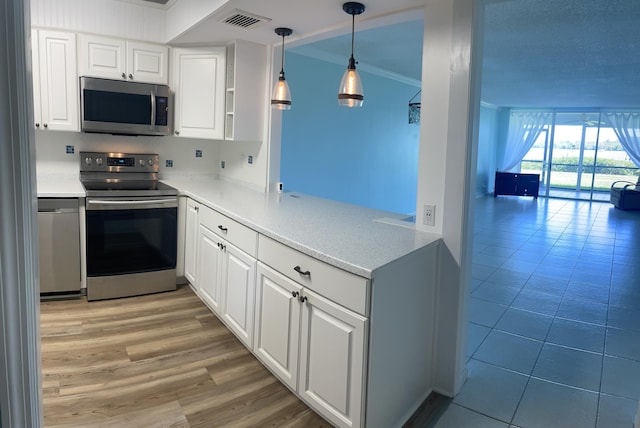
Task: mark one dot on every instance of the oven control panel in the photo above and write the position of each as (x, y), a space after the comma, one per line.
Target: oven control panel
(119, 162)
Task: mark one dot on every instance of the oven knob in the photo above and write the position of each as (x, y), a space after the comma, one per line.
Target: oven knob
(150, 162)
(87, 160)
(141, 162)
(98, 161)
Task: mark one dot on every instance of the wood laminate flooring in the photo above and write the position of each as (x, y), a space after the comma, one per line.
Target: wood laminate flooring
(161, 360)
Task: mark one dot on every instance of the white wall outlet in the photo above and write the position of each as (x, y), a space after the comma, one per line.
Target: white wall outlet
(429, 216)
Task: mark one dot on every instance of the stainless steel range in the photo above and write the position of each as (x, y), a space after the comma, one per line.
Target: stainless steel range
(131, 224)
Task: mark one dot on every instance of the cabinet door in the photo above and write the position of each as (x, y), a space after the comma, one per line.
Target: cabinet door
(191, 241)
(147, 62)
(239, 283)
(59, 90)
(198, 81)
(102, 57)
(35, 64)
(277, 325)
(332, 360)
(210, 258)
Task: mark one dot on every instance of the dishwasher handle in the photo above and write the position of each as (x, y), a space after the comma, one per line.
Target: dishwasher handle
(58, 210)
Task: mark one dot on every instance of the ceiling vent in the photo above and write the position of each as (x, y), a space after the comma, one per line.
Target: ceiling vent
(242, 19)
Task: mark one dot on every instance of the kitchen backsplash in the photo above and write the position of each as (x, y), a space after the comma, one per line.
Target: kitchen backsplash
(58, 152)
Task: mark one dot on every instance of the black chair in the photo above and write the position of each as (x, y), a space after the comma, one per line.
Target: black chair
(626, 195)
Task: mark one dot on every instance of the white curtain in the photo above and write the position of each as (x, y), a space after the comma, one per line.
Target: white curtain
(524, 128)
(627, 129)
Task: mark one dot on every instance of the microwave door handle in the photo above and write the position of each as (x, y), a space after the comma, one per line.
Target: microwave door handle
(153, 110)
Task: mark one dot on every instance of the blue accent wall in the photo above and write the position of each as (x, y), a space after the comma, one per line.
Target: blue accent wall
(365, 156)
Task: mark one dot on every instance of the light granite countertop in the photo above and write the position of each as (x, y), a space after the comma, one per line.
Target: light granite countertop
(57, 185)
(356, 239)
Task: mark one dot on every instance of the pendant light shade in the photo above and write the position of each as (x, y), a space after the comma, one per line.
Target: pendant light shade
(350, 93)
(281, 98)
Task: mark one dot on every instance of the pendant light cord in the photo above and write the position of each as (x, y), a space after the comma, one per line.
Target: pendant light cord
(352, 61)
(281, 77)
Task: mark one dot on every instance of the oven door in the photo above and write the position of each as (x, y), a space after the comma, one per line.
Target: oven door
(126, 236)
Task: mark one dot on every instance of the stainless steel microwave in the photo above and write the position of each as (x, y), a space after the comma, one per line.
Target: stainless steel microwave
(120, 107)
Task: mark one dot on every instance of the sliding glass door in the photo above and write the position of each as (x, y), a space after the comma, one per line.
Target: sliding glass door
(578, 156)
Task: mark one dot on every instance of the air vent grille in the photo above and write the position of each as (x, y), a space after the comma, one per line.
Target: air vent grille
(242, 19)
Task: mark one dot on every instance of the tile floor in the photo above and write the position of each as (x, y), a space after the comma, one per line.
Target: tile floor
(554, 317)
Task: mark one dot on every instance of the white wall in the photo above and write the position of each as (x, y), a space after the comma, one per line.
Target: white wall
(446, 174)
(487, 146)
(51, 155)
(107, 17)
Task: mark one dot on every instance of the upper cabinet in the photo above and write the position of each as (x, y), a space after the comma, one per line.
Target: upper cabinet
(199, 84)
(55, 80)
(246, 71)
(114, 58)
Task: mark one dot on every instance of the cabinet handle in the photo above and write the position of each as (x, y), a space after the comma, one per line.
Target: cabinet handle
(45, 125)
(130, 76)
(295, 293)
(37, 125)
(305, 273)
(197, 208)
(302, 299)
(124, 76)
(222, 228)
(177, 132)
(221, 246)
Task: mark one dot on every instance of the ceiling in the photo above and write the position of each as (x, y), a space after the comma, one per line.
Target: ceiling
(536, 53)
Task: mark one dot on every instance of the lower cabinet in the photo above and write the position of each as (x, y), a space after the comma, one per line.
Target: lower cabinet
(225, 275)
(347, 348)
(313, 345)
(210, 268)
(238, 289)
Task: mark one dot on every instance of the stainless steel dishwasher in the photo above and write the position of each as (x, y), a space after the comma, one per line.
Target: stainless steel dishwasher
(59, 236)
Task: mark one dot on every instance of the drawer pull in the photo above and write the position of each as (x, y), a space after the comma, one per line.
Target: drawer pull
(302, 299)
(295, 293)
(305, 273)
(222, 228)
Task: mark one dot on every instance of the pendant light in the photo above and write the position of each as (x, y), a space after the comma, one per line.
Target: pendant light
(281, 99)
(350, 93)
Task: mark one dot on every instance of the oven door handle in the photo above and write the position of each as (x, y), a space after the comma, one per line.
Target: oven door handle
(102, 204)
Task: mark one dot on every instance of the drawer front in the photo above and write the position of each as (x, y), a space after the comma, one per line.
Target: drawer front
(344, 288)
(233, 232)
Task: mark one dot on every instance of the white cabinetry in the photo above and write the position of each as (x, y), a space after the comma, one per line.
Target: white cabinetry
(238, 289)
(277, 331)
(210, 267)
(198, 81)
(359, 351)
(222, 253)
(113, 58)
(191, 241)
(314, 345)
(55, 80)
(246, 71)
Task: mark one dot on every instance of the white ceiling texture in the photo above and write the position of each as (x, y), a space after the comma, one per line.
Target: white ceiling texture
(536, 53)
